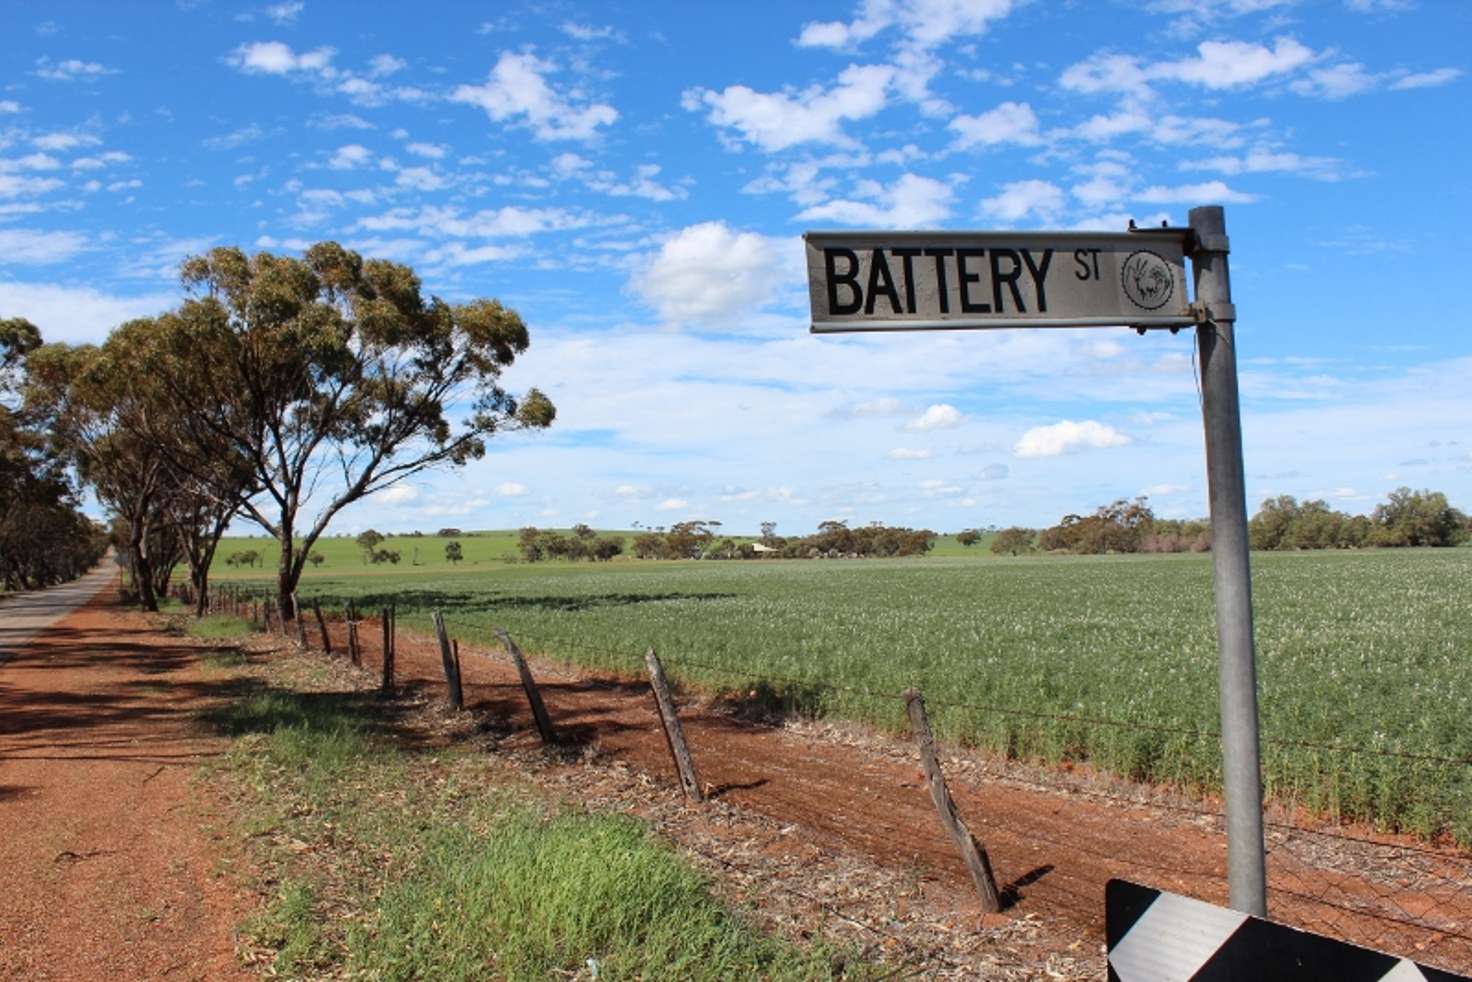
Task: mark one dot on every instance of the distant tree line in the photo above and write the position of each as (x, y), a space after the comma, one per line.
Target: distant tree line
(1407, 518)
(832, 540)
(536, 544)
(44, 537)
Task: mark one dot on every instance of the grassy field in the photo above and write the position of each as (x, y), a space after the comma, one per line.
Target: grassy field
(342, 557)
(1105, 659)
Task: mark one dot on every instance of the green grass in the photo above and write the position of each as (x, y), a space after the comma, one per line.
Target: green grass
(390, 864)
(1355, 649)
(219, 627)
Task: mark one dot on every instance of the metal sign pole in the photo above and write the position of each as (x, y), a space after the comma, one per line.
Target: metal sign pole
(1221, 415)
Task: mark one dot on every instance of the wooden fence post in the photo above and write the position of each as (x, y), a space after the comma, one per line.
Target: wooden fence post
(539, 711)
(388, 648)
(972, 851)
(673, 733)
(355, 654)
(301, 625)
(452, 676)
(322, 626)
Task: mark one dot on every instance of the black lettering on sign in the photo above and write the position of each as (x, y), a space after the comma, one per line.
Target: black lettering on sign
(849, 279)
(1086, 258)
(907, 255)
(969, 306)
(1009, 278)
(879, 270)
(1039, 274)
(943, 289)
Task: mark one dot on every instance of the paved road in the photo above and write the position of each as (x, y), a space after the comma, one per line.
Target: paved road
(23, 616)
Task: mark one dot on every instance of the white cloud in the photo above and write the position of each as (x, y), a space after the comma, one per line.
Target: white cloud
(399, 494)
(1217, 65)
(235, 138)
(511, 489)
(672, 504)
(385, 64)
(777, 120)
(923, 23)
(70, 70)
(1264, 161)
(432, 151)
(518, 91)
(512, 220)
(420, 179)
(15, 186)
(342, 121)
(350, 156)
(632, 491)
(285, 13)
(1161, 490)
(1068, 436)
(31, 247)
(1019, 199)
(9, 106)
(76, 314)
(31, 161)
(1010, 122)
(1337, 81)
(709, 273)
(910, 453)
(101, 161)
(276, 58)
(1425, 80)
(912, 202)
(941, 416)
(1208, 192)
(590, 32)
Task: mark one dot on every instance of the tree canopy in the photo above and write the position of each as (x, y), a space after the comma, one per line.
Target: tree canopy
(332, 377)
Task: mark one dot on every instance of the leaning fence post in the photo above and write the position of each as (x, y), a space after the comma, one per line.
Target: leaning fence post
(539, 711)
(972, 851)
(388, 648)
(322, 626)
(452, 677)
(674, 734)
(301, 625)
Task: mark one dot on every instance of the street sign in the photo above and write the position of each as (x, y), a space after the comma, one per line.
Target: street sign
(936, 281)
(899, 281)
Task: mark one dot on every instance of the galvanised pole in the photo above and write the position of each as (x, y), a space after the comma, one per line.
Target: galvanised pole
(1221, 414)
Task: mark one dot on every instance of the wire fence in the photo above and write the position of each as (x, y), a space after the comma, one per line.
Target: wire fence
(1388, 892)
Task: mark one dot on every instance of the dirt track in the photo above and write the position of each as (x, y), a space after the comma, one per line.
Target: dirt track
(107, 871)
(1053, 843)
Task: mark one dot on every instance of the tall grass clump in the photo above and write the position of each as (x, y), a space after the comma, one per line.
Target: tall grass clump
(536, 898)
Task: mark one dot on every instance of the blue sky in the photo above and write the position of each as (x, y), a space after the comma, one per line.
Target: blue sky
(634, 178)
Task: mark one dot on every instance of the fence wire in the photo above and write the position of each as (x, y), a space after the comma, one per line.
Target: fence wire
(1389, 892)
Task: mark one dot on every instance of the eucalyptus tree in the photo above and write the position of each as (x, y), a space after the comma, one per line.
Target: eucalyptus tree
(92, 404)
(332, 378)
(44, 538)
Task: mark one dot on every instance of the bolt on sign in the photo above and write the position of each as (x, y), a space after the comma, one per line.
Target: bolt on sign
(898, 281)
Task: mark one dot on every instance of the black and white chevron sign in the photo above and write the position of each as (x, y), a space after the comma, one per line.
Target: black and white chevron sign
(1154, 936)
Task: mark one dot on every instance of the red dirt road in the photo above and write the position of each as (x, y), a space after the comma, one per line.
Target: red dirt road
(107, 873)
(1053, 842)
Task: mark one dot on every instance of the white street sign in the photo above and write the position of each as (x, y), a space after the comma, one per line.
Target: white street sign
(902, 281)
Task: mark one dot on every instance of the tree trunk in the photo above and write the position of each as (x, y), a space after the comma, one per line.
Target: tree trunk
(287, 570)
(141, 567)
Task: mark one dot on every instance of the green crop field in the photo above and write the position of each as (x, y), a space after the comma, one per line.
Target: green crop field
(1111, 660)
